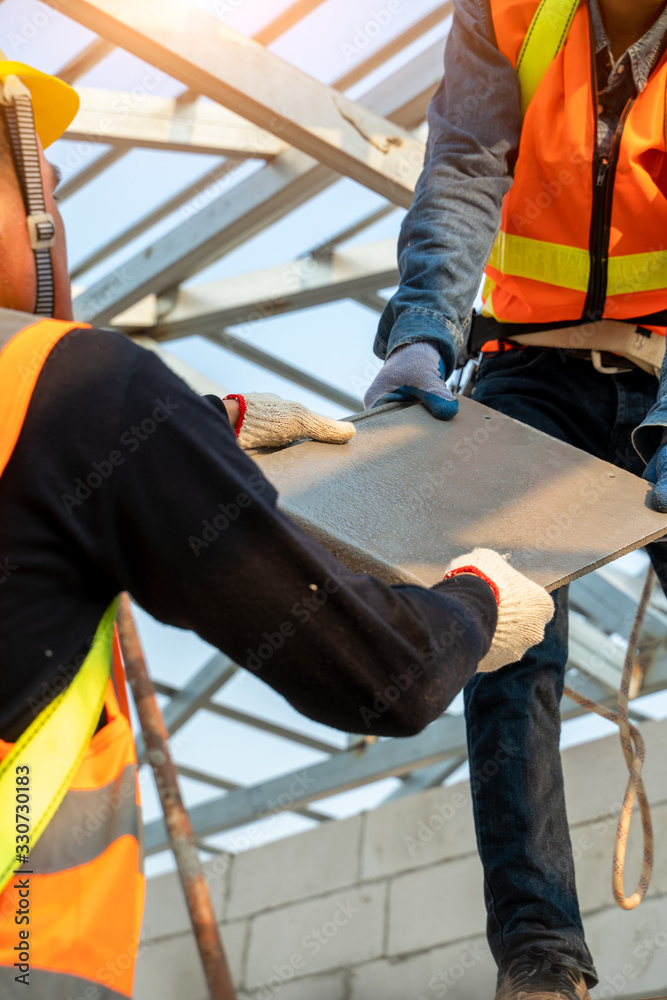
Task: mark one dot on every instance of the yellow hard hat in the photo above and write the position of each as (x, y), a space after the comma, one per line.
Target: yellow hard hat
(54, 102)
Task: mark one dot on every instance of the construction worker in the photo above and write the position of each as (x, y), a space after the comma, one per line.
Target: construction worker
(115, 476)
(545, 168)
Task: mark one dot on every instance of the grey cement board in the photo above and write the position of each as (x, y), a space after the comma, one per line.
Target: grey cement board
(410, 492)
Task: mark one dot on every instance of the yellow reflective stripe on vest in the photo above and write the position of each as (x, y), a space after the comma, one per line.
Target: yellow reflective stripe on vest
(544, 40)
(637, 272)
(50, 750)
(569, 267)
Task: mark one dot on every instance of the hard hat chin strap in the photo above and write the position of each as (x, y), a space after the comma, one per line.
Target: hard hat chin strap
(16, 103)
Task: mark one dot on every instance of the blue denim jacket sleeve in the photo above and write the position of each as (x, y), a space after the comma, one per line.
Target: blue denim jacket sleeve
(647, 437)
(446, 237)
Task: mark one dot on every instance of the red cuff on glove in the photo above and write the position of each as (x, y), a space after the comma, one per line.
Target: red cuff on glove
(475, 572)
(242, 410)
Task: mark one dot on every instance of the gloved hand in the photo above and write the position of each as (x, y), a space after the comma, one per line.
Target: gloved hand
(267, 421)
(414, 371)
(524, 608)
(656, 472)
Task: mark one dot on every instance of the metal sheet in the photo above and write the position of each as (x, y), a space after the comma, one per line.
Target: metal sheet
(410, 492)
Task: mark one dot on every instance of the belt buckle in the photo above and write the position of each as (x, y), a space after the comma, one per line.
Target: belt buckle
(596, 359)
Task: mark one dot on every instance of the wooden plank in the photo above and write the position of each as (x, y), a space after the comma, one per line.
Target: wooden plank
(410, 492)
(239, 73)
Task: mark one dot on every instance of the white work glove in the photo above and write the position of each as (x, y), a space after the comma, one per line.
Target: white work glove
(414, 371)
(524, 608)
(267, 421)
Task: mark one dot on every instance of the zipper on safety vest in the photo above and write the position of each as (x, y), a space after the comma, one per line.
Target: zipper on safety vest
(604, 172)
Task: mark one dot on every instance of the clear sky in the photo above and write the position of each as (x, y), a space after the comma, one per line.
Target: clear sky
(333, 342)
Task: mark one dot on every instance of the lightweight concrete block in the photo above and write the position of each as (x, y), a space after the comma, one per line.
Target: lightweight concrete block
(596, 774)
(310, 988)
(234, 936)
(308, 864)
(465, 971)
(165, 912)
(433, 906)
(630, 950)
(171, 967)
(418, 830)
(331, 932)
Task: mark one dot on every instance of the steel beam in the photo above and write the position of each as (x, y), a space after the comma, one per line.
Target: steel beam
(441, 745)
(300, 284)
(214, 60)
(208, 679)
(198, 382)
(89, 173)
(396, 45)
(609, 599)
(372, 301)
(256, 722)
(324, 251)
(172, 204)
(296, 375)
(595, 654)
(116, 118)
(86, 60)
(348, 769)
(286, 20)
(250, 207)
(98, 49)
(229, 786)
(441, 741)
(426, 777)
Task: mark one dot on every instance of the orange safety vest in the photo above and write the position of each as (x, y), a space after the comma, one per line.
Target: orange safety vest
(579, 237)
(85, 888)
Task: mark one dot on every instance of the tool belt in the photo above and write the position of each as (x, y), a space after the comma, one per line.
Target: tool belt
(610, 345)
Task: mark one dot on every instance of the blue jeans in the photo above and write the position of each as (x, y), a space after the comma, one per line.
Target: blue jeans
(513, 716)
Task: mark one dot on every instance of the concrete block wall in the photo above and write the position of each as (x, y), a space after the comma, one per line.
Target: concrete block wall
(389, 904)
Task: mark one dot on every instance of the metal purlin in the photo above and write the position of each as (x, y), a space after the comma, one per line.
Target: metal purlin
(17, 106)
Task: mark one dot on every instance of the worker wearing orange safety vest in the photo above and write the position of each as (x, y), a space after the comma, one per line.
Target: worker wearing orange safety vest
(545, 176)
(115, 476)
